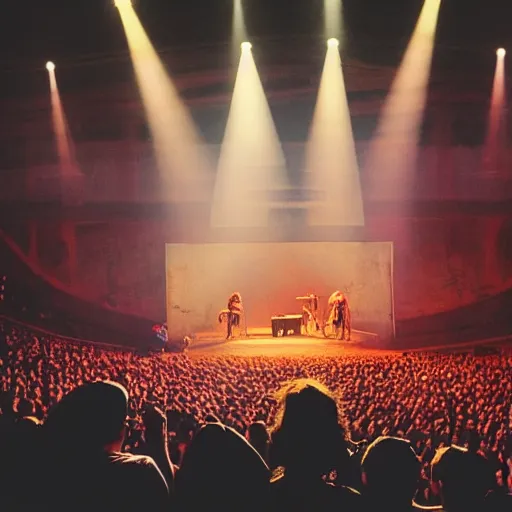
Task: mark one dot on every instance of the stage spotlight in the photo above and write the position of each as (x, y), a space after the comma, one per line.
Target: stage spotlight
(393, 153)
(332, 169)
(251, 163)
(496, 140)
(333, 43)
(181, 156)
(246, 46)
(63, 138)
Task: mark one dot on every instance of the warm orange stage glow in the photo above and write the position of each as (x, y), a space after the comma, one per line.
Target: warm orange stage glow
(393, 152)
(251, 162)
(180, 153)
(331, 161)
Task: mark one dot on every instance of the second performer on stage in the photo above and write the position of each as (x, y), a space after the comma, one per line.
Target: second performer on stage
(339, 314)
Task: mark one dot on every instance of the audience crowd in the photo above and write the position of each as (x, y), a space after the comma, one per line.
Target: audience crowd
(88, 428)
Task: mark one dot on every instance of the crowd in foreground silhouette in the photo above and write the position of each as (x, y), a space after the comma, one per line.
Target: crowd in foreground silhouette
(84, 428)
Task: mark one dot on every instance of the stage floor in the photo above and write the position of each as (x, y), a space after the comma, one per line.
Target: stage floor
(260, 342)
(297, 346)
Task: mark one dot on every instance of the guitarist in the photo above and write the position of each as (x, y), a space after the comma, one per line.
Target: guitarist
(233, 313)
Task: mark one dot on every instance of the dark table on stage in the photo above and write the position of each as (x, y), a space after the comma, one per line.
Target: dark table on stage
(286, 323)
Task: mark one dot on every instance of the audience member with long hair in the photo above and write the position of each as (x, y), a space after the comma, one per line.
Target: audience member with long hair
(309, 444)
(222, 471)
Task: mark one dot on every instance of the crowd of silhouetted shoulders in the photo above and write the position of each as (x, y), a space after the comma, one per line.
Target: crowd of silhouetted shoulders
(90, 429)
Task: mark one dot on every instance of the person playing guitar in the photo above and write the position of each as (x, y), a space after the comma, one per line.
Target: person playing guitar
(232, 314)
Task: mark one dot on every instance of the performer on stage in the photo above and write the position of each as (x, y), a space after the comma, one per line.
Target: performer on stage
(233, 313)
(340, 313)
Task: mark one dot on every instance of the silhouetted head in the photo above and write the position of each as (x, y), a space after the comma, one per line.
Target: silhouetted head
(462, 478)
(391, 471)
(308, 435)
(93, 415)
(221, 471)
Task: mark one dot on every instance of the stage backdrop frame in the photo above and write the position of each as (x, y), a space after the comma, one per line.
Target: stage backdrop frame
(201, 277)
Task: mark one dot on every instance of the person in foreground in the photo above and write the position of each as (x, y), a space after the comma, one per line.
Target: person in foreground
(86, 469)
(221, 471)
(390, 474)
(309, 446)
(463, 480)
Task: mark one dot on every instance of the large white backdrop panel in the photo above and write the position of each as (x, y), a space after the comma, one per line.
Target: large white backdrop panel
(200, 278)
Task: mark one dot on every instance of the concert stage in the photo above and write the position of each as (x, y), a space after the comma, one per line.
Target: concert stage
(259, 342)
(272, 281)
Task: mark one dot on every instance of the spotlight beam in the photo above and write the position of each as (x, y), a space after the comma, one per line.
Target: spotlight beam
(332, 169)
(123, 4)
(179, 151)
(496, 131)
(60, 125)
(393, 151)
(251, 164)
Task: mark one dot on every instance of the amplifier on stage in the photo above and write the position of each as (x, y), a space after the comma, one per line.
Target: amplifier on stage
(285, 325)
